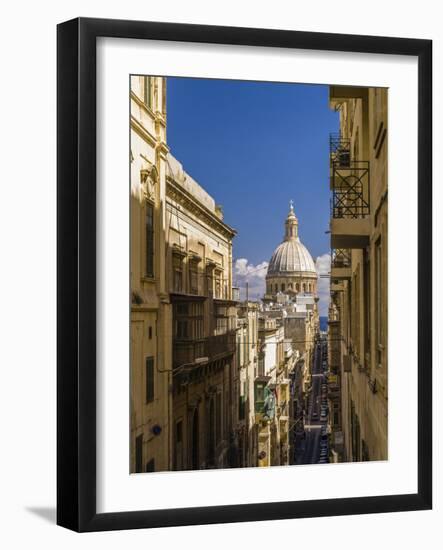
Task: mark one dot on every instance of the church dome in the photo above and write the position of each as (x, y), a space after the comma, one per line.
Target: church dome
(291, 257)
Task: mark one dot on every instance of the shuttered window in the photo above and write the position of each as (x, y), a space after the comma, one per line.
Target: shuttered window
(149, 379)
(147, 93)
(139, 454)
(149, 239)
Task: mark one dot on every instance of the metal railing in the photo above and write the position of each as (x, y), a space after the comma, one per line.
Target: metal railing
(339, 149)
(340, 257)
(350, 190)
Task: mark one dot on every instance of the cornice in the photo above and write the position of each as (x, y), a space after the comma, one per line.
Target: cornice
(183, 197)
(292, 275)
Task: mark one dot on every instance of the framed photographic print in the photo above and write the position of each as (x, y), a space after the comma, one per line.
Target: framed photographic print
(244, 274)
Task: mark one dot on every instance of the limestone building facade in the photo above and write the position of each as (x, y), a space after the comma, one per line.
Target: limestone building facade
(247, 369)
(198, 258)
(359, 242)
(184, 380)
(151, 405)
(276, 361)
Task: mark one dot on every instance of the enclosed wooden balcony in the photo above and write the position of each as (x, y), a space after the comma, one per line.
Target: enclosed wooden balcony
(193, 352)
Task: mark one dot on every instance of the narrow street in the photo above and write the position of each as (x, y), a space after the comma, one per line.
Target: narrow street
(314, 448)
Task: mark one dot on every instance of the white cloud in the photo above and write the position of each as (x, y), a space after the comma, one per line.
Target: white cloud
(323, 266)
(254, 275)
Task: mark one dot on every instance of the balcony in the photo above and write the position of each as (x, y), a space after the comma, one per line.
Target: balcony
(265, 406)
(350, 204)
(203, 350)
(340, 264)
(339, 150)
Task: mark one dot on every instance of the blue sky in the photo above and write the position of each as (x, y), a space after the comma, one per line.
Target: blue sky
(254, 146)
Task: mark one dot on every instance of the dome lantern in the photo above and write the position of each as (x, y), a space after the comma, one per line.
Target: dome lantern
(291, 224)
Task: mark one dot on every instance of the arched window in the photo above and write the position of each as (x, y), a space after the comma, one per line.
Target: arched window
(283, 287)
(290, 285)
(304, 287)
(297, 287)
(309, 287)
(276, 287)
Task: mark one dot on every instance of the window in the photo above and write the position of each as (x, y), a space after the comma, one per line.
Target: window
(357, 314)
(261, 364)
(283, 287)
(259, 397)
(210, 280)
(221, 318)
(356, 146)
(139, 454)
(193, 277)
(149, 379)
(218, 284)
(179, 445)
(177, 272)
(239, 350)
(378, 299)
(367, 303)
(179, 432)
(164, 96)
(181, 329)
(147, 91)
(242, 402)
(188, 321)
(149, 239)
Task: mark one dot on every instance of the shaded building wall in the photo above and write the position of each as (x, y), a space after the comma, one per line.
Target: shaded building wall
(362, 298)
(150, 350)
(203, 326)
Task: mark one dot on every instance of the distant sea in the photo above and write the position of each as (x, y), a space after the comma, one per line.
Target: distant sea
(323, 324)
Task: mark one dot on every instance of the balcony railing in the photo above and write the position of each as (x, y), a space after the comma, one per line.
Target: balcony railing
(339, 150)
(203, 350)
(350, 189)
(340, 257)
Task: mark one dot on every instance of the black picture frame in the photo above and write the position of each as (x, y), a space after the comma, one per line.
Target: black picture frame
(76, 280)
